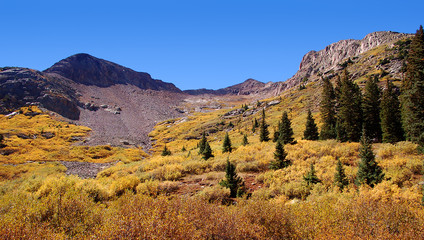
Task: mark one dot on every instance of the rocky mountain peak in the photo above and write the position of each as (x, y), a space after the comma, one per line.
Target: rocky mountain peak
(328, 58)
(88, 70)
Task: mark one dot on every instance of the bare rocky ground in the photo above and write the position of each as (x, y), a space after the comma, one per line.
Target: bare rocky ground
(124, 115)
(85, 169)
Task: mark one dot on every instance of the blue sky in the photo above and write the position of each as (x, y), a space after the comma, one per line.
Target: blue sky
(193, 44)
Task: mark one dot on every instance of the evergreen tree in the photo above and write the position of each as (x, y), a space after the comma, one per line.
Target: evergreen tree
(350, 111)
(340, 179)
(207, 152)
(280, 157)
(226, 146)
(264, 133)
(412, 97)
(255, 125)
(232, 180)
(202, 143)
(286, 131)
(166, 151)
(369, 172)
(390, 116)
(311, 177)
(328, 111)
(245, 141)
(2, 145)
(311, 131)
(371, 109)
(277, 132)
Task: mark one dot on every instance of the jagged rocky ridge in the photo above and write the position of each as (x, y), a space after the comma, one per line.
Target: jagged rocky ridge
(329, 58)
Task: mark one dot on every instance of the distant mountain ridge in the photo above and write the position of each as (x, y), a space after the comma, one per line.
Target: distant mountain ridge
(86, 69)
(248, 87)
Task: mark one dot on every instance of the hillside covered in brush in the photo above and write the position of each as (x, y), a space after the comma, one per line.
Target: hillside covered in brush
(234, 167)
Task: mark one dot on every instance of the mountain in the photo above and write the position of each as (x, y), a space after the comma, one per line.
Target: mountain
(248, 87)
(331, 57)
(23, 86)
(86, 69)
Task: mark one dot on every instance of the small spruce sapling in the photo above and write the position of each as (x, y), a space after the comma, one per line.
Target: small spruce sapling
(232, 180)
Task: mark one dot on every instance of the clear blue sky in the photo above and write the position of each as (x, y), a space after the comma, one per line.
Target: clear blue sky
(197, 43)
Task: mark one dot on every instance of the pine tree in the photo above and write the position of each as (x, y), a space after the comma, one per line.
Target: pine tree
(311, 177)
(166, 151)
(2, 145)
(202, 143)
(350, 111)
(412, 97)
(280, 157)
(226, 146)
(207, 152)
(369, 172)
(371, 109)
(232, 180)
(277, 132)
(328, 111)
(264, 133)
(390, 116)
(245, 141)
(255, 125)
(340, 179)
(311, 131)
(286, 131)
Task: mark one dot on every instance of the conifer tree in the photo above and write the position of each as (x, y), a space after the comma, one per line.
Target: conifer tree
(245, 140)
(412, 97)
(264, 133)
(340, 179)
(255, 125)
(311, 131)
(202, 143)
(277, 132)
(390, 116)
(2, 145)
(371, 109)
(328, 111)
(286, 131)
(207, 152)
(232, 180)
(311, 177)
(350, 112)
(226, 146)
(369, 172)
(166, 151)
(280, 157)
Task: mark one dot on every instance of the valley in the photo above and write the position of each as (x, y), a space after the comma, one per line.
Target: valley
(92, 149)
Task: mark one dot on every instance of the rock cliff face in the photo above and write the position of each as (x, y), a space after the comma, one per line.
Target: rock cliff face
(89, 70)
(328, 59)
(22, 86)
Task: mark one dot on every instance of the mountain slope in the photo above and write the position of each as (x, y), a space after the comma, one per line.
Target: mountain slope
(89, 70)
(331, 57)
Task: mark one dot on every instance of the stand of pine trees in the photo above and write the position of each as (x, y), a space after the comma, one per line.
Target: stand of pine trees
(412, 96)
(328, 111)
